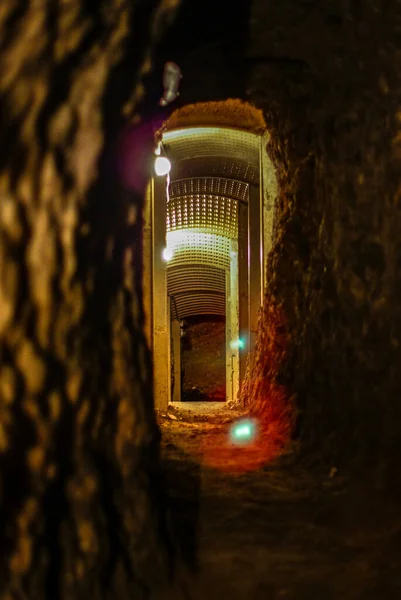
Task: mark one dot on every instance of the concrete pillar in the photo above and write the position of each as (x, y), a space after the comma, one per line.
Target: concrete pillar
(255, 259)
(176, 345)
(229, 364)
(268, 194)
(161, 305)
(243, 289)
(232, 324)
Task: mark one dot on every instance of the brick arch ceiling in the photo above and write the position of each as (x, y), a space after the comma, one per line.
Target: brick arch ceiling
(212, 169)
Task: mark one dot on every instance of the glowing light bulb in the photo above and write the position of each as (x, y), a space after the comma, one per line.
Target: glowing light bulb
(167, 254)
(162, 165)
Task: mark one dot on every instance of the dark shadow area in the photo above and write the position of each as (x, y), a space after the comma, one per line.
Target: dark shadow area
(279, 531)
(198, 396)
(208, 41)
(182, 480)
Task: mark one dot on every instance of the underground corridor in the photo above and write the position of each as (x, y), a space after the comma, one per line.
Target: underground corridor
(208, 227)
(200, 300)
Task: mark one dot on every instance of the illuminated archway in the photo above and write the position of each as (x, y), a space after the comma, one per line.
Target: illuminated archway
(208, 229)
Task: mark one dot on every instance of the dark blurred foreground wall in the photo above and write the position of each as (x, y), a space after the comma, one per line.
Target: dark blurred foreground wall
(328, 76)
(79, 514)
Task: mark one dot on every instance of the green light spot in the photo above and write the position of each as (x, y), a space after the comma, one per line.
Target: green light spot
(243, 431)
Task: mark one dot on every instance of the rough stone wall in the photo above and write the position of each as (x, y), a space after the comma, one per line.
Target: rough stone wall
(327, 75)
(79, 512)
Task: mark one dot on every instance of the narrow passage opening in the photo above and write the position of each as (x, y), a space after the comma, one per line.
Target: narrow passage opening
(203, 359)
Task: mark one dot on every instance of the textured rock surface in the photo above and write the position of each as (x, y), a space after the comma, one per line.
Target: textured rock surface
(78, 441)
(328, 77)
(79, 508)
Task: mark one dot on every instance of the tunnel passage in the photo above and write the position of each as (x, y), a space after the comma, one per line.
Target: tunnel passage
(202, 353)
(207, 231)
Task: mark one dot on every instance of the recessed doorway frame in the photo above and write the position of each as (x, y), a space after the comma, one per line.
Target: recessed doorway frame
(247, 254)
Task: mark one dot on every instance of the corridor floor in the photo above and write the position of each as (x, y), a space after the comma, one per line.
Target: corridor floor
(279, 531)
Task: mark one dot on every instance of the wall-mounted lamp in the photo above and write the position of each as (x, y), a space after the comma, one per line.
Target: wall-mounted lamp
(167, 254)
(162, 165)
(171, 82)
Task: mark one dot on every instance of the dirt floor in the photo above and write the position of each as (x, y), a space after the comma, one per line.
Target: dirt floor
(275, 531)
